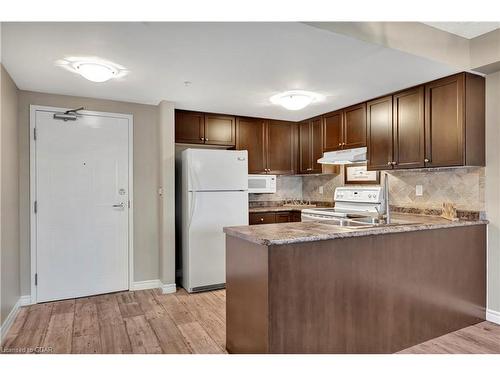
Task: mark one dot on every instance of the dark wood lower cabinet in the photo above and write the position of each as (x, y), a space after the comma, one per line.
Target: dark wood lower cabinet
(369, 294)
(274, 217)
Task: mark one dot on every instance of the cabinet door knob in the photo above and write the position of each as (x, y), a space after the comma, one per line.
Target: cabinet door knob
(426, 160)
(202, 139)
(206, 139)
(389, 163)
(340, 144)
(261, 219)
(394, 163)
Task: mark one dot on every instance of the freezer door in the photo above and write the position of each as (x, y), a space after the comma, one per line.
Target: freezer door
(212, 170)
(206, 247)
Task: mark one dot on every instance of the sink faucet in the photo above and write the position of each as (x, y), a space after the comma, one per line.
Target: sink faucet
(385, 214)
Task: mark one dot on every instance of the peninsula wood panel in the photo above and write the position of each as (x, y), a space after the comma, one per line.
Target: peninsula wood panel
(369, 294)
(247, 314)
(251, 136)
(409, 131)
(376, 294)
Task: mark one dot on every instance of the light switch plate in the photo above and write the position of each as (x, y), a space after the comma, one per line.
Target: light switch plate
(419, 190)
(320, 189)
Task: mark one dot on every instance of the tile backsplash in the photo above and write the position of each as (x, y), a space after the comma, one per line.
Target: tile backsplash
(287, 187)
(461, 186)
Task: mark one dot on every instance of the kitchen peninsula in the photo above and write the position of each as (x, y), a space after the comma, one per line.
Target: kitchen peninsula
(311, 287)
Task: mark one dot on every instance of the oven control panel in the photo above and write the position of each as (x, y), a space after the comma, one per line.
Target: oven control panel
(359, 194)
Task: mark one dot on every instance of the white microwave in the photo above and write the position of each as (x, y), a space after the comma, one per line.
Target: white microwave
(261, 183)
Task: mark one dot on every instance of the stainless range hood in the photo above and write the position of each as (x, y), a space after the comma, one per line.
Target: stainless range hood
(353, 155)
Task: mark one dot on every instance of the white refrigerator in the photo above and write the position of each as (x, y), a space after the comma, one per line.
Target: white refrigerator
(214, 196)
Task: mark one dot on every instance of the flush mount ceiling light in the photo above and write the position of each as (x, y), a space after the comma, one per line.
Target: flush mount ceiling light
(95, 72)
(295, 100)
(93, 69)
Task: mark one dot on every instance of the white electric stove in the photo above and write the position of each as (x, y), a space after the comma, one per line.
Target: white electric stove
(353, 205)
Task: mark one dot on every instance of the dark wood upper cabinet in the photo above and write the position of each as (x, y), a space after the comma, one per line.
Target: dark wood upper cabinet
(445, 121)
(204, 128)
(345, 128)
(438, 124)
(454, 121)
(408, 116)
(251, 136)
(379, 133)
(354, 126)
(189, 127)
(316, 144)
(333, 124)
(280, 147)
(310, 145)
(220, 130)
(305, 147)
(270, 144)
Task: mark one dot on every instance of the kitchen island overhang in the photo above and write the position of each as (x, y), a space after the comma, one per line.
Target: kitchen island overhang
(376, 290)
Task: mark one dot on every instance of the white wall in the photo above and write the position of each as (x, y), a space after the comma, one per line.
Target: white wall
(9, 176)
(492, 192)
(166, 125)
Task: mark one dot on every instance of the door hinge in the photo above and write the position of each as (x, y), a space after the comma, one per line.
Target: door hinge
(34, 134)
(36, 207)
(36, 279)
(128, 204)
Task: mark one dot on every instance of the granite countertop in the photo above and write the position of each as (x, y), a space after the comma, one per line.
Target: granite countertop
(279, 208)
(286, 233)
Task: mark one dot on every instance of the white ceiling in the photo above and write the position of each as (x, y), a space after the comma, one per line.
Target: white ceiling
(467, 30)
(234, 67)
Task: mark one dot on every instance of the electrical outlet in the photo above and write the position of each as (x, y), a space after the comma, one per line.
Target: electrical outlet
(419, 190)
(320, 190)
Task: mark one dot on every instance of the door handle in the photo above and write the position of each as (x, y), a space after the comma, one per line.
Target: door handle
(121, 205)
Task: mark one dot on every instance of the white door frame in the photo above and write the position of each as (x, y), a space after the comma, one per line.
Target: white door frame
(33, 189)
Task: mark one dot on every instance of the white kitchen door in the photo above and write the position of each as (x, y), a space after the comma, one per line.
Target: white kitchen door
(82, 202)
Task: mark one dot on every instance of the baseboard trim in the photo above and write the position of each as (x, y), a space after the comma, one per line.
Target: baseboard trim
(493, 316)
(146, 284)
(168, 288)
(153, 284)
(4, 328)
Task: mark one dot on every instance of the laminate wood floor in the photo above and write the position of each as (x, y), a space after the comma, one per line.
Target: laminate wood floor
(147, 321)
(144, 321)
